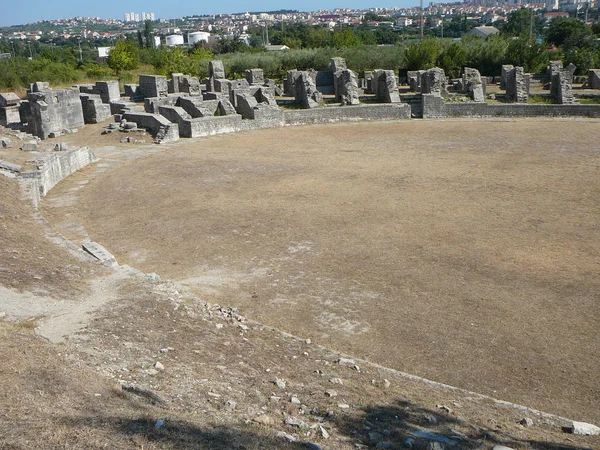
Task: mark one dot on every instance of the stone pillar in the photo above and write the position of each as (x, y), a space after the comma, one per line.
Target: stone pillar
(255, 76)
(387, 88)
(564, 91)
(516, 86)
(433, 81)
(553, 69)
(506, 69)
(306, 91)
(347, 87)
(473, 85)
(594, 79)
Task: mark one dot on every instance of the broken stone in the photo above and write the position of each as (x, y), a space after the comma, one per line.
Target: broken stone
(29, 146)
(5, 142)
(292, 421)
(346, 362)
(331, 393)
(582, 428)
(336, 380)
(526, 422)
(159, 366)
(279, 383)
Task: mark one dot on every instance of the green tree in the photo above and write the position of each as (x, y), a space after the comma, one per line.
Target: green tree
(148, 34)
(344, 38)
(453, 59)
(521, 22)
(423, 55)
(563, 28)
(123, 57)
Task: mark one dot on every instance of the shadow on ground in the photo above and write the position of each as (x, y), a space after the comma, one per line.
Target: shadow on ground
(405, 425)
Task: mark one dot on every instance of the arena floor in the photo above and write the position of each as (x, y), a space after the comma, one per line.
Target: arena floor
(464, 251)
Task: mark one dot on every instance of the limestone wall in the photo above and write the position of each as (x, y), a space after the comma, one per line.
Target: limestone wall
(51, 169)
(433, 108)
(347, 113)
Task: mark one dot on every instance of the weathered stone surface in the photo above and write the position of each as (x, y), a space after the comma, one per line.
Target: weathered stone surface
(5, 142)
(190, 85)
(39, 86)
(255, 76)
(594, 79)
(414, 80)
(94, 110)
(433, 81)
(9, 99)
(158, 126)
(10, 115)
(306, 91)
(516, 86)
(582, 428)
(347, 87)
(53, 112)
(216, 69)
(337, 64)
(175, 82)
(132, 91)
(506, 69)
(472, 84)
(553, 69)
(387, 89)
(107, 90)
(563, 80)
(245, 105)
(369, 82)
(153, 86)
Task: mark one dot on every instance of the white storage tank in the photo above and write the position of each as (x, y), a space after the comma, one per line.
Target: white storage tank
(198, 36)
(174, 39)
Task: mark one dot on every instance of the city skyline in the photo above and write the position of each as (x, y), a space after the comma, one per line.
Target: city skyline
(38, 10)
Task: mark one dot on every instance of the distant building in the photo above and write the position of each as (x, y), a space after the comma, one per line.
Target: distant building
(276, 48)
(103, 53)
(484, 31)
(404, 22)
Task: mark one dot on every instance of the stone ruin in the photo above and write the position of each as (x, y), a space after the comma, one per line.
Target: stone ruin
(594, 79)
(517, 87)
(306, 92)
(180, 83)
(255, 76)
(51, 113)
(345, 82)
(506, 69)
(473, 85)
(433, 81)
(553, 68)
(9, 109)
(414, 80)
(216, 71)
(563, 80)
(384, 86)
(153, 86)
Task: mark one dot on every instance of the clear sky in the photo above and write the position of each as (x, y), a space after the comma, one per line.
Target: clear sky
(17, 13)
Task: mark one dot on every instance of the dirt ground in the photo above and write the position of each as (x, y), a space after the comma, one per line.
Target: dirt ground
(462, 251)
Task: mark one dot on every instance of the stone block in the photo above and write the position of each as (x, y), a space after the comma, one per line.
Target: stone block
(347, 87)
(5, 142)
(53, 112)
(594, 79)
(337, 64)
(306, 91)
(9, 99)
(433, 81)
(10, 115)
(39, 86)
(564, 87)
(94, 110)
(153, 86)
(216, 69)
(190, 85)
(506, 69)
(387, 88)
(29, 146)
(174, 83)
(473, 85)
(255, 76)
(107, 90)
(517, 89)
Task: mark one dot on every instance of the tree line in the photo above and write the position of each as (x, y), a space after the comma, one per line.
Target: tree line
(524, 41)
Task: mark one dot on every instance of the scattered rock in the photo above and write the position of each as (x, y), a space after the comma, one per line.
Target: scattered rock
(214, 394)
(586, 429)
(30, 146)
(5, 142)
(159, 366)
(279, 383)
(343, 406)
(159, 424)
(435, 446)
(331, 393)
(151, 372)
(264, 419)
(295, 400)
(292, 421)
(526, 422)
(287, 437)
(386, 383)
(231, 405)
(336, 381)
(324, 432)
(431, 418)
(2, 314)
(346, 362)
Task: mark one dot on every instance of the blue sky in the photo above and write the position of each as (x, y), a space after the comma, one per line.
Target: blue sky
(17, 13)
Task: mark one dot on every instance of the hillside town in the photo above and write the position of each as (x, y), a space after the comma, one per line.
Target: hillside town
(401, 20)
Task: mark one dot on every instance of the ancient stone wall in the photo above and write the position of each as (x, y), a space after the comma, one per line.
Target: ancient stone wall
(52, 168)
(153, 86)
(158, 126)
(53, 112)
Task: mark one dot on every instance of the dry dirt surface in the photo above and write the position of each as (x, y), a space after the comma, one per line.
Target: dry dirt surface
(466, 252)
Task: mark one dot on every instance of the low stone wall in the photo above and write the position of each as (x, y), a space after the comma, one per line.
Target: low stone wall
(435, 107)
(158, 126)
(347, 113)
(209, 126)
(51, 169)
